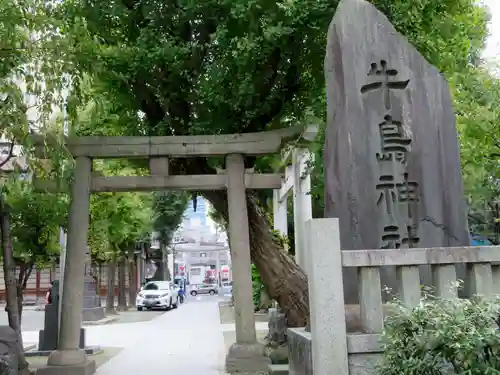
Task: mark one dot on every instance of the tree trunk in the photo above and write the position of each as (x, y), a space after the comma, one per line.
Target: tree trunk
(132, 278)
(110, 296)
(22, 282)
(284, 280)
(122, 295)
(164, 260)
(11, 287)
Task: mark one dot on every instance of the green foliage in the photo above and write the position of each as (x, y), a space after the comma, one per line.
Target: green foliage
(257, 286)
(477, 101)
(31, 67)
(218, 219)
(36, 219)
(151, 68)
(168, 208)
(219, 66)
(441, 337)
(118, 220)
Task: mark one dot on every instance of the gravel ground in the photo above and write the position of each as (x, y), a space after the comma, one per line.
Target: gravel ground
(100, 358)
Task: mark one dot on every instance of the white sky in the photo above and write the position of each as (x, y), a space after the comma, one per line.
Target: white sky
(493, 44)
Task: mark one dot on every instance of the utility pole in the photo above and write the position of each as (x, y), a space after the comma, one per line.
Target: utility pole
(173, 261)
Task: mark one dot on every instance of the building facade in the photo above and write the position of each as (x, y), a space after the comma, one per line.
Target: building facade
(196, 218)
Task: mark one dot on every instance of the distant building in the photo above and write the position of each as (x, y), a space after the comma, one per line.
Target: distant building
(200, 247)
(196, 218)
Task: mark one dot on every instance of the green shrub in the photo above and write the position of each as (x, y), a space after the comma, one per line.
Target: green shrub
(256, 287)
(441, 337)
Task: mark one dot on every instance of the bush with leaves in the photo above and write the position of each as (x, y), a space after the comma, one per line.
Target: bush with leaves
(441, 337)
(256, 287)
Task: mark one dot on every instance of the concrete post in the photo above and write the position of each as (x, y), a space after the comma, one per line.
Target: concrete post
(280, 214)
(62, 261)
(302, 205)
(246, 355)
(240, 250)
(68, 353)
(326, 297)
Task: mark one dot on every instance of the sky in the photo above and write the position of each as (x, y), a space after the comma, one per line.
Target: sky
(492, 50)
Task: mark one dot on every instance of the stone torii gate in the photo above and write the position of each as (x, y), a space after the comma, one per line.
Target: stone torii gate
(297, 182)
(246, 355)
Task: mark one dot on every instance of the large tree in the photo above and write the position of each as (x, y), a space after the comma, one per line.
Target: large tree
(218, 66)
(169, 208)
(478, 111)
(36, 219)
(30, 82)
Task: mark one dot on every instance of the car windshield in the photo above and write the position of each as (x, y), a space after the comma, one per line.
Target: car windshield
(157, 286)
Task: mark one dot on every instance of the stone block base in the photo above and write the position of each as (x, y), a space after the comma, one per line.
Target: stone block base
(299, 352)
(278, 370)
(247, 359)
(91, 314)
(91, 350)
(48, 343)
(86, 368)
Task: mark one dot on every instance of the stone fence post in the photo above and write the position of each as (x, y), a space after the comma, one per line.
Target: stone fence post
(326, 298)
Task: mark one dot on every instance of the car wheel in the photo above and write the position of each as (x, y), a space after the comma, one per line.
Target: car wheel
(176, 304)
(193, 293)
(169, 307)
(139, 308)
(212, 292)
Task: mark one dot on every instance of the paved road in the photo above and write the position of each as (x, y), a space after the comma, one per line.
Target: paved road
(187, 340)
(31, 320)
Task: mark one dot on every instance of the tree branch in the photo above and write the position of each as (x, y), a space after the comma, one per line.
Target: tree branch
(27, 276)
(274, 92)
(148, 103)
(9, 155)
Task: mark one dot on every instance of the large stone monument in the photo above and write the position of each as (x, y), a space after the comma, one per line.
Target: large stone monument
(392, 163)
(48, 336)
(92, 309)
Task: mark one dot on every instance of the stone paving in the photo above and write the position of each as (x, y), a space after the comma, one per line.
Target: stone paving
(33, 320)
(187, 340)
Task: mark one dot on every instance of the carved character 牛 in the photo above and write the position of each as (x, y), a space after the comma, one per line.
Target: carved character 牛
(384, 79)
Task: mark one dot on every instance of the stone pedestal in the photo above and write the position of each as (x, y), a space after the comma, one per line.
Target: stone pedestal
(299, 352)
(277, 327)
(49, 335)
(85, 368)
(247, 359)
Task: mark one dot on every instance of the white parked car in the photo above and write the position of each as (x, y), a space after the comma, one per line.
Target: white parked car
(157, 295)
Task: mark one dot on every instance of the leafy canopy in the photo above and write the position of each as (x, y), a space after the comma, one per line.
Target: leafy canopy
(217, 66)
(118, 220)
(236, 66)
(36, 219)
(169, 208)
